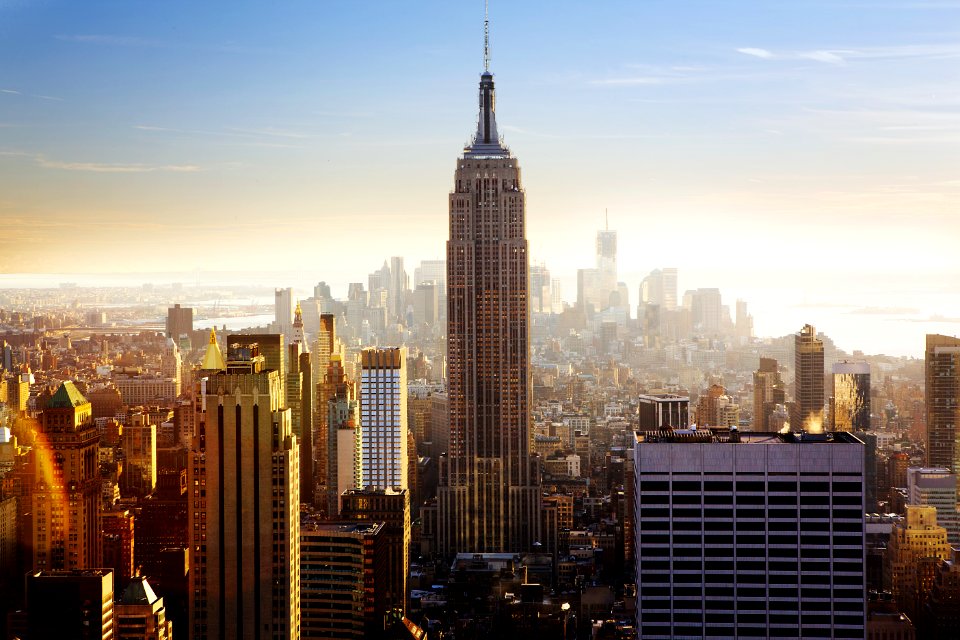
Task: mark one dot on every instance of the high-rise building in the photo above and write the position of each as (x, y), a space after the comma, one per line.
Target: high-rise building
(300, 393)
(118, 544)
(283, 311)
(757, 532)
(943, 402)
(66, 493)
(850, 405)
(71, 604)
(391, 507)
(807, 410)
(245, 506)
(659, 288)
(342, 447)
(768, 392)
(343, 578)
(706, 310)
(397, 290)
(139, 444)
(489, 494)
(607, 263)
(383, 418)
(931, 487)
(179, 322)
(326, 348)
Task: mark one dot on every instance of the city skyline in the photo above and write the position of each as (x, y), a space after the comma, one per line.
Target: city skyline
(832, 120)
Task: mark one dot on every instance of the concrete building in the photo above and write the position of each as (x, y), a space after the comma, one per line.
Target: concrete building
(807, 413)
(383, 418)
(283, 311)
(758, 532)
(342, 448)
(179, 322)
(244, 475)
(138, 441)
(943, 402)
(489, 493)
(768, 392)
(344, 569)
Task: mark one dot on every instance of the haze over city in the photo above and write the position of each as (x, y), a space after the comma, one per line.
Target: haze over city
(793, 153)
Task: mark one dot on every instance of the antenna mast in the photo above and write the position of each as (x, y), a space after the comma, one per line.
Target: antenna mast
(486, 36)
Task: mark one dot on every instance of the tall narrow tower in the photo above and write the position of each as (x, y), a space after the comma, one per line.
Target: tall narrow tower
(807, 413)
(489, 496)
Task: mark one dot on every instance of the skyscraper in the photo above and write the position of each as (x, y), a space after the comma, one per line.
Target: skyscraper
(850, 407)
(283, 311)
(757, 533)
(943, 402)
(383, 418)
(767, 393)
(489, 498)
(245, 507)
(807, 410)
(179, 322)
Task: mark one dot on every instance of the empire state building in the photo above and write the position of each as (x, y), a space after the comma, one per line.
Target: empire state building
(489, 494)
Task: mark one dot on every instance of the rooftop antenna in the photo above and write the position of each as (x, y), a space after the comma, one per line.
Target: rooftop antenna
(486, 36)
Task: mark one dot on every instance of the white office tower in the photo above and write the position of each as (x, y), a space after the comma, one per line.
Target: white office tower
(749, 535)
(283, 312)
(383, 418)
(936, 487)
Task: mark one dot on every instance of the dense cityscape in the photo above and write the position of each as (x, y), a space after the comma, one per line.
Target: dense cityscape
(462, 448)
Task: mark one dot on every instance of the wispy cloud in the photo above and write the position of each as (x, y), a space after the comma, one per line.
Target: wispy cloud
(14, 92)
(843, 55)
(137, 41)
(11, 91)
(102, 167)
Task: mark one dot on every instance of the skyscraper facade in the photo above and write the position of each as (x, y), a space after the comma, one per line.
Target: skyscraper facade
(489, 498)
(757, 533)
(383, 418)
(943, 402)
(807, 412)
(283, 311)
(245, 507)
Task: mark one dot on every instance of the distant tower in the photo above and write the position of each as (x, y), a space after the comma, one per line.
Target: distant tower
(807, 413)
(489, 495)
(383, 418)
(283, 311)
(768, 392)
(245, 482)
(66, 495)
(943, 402)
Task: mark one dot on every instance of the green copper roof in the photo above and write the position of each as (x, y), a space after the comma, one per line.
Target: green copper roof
(66, 396)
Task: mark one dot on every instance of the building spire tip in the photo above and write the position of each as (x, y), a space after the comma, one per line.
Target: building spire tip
(486, 36)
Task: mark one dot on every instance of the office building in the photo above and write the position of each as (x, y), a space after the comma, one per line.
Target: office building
(706, 310)
(66, 493)
(342, 466)
(807, 410)
(943, 402)
(391, 507)
(344, 568)
(327, 347)
(119, 535)
(850, 405)
(300, 393)
(758, 532)
(937, 488)
(768, 392)
(140, 613)
(74, 603)
(383, 418)
(663, 411)
(489, 493)
(179, 322)
(660, 288)
(138, 441)
(283, 311)
(244, 476)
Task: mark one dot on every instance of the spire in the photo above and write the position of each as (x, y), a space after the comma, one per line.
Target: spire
(213, 359)
(298, 316)
(486, 36)
(486, 142)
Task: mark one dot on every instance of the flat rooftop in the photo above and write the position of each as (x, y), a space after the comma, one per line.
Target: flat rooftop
(728, 436)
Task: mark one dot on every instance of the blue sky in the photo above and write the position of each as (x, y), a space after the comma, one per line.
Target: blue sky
(143, 135)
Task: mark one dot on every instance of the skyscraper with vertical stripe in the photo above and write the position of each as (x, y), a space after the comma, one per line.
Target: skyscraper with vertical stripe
(489, 495)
